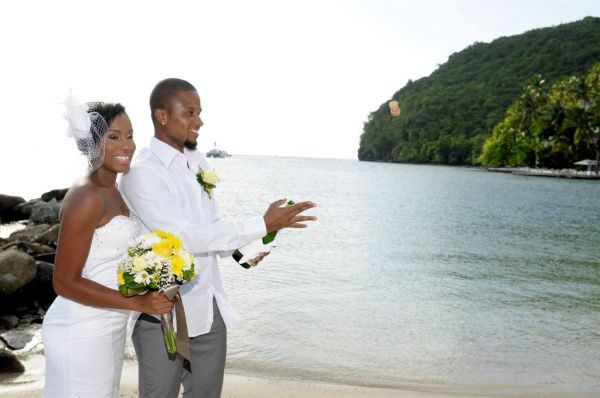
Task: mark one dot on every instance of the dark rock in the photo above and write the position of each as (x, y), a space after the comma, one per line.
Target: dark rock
(15, 305)
(30, 233)
(8, 321)
(46, 257)
(16, 270)
(41, 288)
(50, 237)
(20, 304)
(7, 201)
(32, 248)
(9, 363)
(32, 300)
(35, 248)
(45, 212)
(26, 208)
(57, 194)
(8, 211)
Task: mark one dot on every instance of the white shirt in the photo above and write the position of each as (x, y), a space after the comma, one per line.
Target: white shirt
(163, 192)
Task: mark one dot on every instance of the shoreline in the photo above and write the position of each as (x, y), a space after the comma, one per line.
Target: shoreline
(30, 385)
(555, 173)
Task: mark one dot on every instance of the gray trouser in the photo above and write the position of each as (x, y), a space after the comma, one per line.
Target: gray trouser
(161, 373)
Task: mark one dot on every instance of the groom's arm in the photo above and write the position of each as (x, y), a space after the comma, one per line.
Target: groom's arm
(158, 207)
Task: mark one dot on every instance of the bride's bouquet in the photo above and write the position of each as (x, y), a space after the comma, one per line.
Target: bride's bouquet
(158, 261)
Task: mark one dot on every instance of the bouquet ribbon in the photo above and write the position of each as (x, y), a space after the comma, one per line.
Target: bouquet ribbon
(183, 341)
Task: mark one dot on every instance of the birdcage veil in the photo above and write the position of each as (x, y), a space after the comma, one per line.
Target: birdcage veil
(88, 128)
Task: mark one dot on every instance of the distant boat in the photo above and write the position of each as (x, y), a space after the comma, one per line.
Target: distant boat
(217, 153)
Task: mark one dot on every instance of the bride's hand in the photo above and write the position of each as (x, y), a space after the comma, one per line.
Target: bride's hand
(155, 303)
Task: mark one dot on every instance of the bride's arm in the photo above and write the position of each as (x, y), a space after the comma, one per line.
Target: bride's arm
(81, 212)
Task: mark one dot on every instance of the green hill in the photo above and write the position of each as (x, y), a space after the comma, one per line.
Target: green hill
(447, 116)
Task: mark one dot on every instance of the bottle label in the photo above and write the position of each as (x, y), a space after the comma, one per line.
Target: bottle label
(252, 250)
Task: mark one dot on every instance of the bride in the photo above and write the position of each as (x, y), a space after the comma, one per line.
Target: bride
(84, 330)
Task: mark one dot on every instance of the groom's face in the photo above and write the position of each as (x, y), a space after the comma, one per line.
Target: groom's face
(183, 119)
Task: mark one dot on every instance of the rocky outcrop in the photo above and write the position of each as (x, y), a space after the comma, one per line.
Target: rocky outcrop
(57, 194)
(27, 261)
(16, 270)
(40, 290)
(30, 233)
(8, 321)
(45, 212)
(9, 363)
(49, 237)
(8, 211)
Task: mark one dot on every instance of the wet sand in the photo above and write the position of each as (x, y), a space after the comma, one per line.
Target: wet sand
(30, 385)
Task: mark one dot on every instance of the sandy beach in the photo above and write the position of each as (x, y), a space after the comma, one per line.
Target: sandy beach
(30, 385)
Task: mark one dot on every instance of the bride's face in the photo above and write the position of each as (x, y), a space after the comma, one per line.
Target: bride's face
(119, 145)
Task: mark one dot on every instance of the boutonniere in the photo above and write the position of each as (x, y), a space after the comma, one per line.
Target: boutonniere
(208, 179)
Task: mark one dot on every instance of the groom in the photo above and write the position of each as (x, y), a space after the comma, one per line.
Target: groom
(161, 188)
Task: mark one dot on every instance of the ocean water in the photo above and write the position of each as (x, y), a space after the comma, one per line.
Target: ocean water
(419, 277)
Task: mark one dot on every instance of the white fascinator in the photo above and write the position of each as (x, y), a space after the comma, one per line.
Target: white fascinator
(88, 128)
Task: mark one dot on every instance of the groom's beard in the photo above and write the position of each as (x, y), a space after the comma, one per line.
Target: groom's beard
(190, 144)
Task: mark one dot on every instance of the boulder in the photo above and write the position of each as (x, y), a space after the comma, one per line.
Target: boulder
(34, 298)
(8, 201)
(50, 237)
(41, 288)
(8, 208)
(46, 257)
(45, 212)
(16, 270)
(8, 321)
(30, 233)
(9, 363)
(25, 208)
(57, 194)
(20, 304)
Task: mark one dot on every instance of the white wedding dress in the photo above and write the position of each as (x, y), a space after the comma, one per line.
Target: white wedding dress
(84, 345)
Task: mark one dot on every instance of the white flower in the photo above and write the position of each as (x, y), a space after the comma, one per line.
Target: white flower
(188, 259)
(210, 177)
(142, 277)
(147, 240)
(78, 118)
(139, 264)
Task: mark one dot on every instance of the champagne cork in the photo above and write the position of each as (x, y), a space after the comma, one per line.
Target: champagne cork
(394, 108)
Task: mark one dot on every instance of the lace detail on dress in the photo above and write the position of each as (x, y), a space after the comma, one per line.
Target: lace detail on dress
(109, 237)
(109, 244)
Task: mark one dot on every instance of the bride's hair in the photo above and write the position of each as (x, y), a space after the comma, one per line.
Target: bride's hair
(108, 111)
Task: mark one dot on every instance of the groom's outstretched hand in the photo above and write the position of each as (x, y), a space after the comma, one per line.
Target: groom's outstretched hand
(277, 217)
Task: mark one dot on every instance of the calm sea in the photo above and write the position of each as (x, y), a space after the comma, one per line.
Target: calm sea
(419, 277)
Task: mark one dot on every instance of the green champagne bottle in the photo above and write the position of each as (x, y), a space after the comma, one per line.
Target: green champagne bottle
(267, 239)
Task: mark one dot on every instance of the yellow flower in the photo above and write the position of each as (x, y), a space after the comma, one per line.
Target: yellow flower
(163, 248)
(210, 177)
(175, 242)
(163, 234)
(177, 266)
(121, 277)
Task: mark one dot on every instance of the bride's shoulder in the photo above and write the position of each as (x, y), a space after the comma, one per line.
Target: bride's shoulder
(82, 199)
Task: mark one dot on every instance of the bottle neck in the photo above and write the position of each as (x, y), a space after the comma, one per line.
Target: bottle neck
(268, 238)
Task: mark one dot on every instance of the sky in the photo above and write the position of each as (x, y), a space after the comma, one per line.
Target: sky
(275, 77)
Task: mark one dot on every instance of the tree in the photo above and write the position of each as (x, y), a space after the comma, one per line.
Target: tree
(553, 127)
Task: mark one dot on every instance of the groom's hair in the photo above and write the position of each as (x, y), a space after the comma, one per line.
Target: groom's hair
(164, 91)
